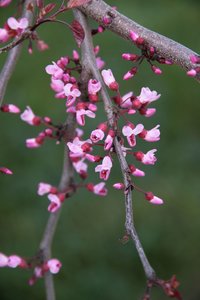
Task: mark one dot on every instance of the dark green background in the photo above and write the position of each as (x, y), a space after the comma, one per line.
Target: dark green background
(95, 264)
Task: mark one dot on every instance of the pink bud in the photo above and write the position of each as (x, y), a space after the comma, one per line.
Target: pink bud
(156, 70)
(11, 108)
(192, 73)
(134, 36)
(14, 261)
(118, 186)
(153, 199)
(109, 80)
(6, 171)
(54, 265)
(3, 260)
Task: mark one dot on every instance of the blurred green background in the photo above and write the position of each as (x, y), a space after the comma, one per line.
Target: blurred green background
(95, 264)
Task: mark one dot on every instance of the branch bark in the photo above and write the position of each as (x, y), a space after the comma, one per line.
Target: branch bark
(13, 56)
(121, 25)
(89, 58)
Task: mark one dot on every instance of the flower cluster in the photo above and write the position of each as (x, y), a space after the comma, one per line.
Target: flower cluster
(53, 265)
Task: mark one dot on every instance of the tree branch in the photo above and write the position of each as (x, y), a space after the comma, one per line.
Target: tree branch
(65, 181)
(13, 56)
(121, 25)
(88, 56)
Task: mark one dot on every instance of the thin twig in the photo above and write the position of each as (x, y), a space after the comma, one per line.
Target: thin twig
(121, 25)
(13, 56)
(65, 181)
(88, 54)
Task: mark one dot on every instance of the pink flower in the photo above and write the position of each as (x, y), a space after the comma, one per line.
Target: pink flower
(6, 171)
(72, 92)
(34, 142)
(130, 132)
(11, 108)
(97, 135)
(29, 117)
(43, 188)
(81, 168)
(4, 2)
(98, 189)
(130, 73)
(100, 63)
(3, 260)
(153, 199)
(156, 70)
(4, 35)
(126, 100)
(152, 135)
(109, 140)
(58, 86)
(148, 158)
(56, 201)
(104, 168)
(80, 116)
(133, 35)
(136, 172)
(54, 265)
(54, 70)
(192, 73)
(94, 86)
(14, 261)
(109, 79)
(147, 96)
(79, 147)
(148, 112)
(93, 158)
(118, 186)
(16, 25)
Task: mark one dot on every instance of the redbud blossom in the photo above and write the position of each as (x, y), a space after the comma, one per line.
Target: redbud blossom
(109, 140)
(42, 46)
(4, 35)
(152, 135)
(11, 108)
(192, 73)
(79, 147)
(147, 112)
(98, 189)
(6, 171)
(55, 71)
(148, 158)
(81, 168)
(156, 70)
(130, 73)
(43, 188)
(195, 59)
(54, 265)
(153, 199)
(34, 142)
(136, 172)
(109, 79)
(29, 117)
(15, 25)
(4, 2)
(130, 132)
(80, 116)
(104, 168)
(100, 63)
(97, 135)
(56, 201)
(147, 96)
(14, 261)
(134, 36)
(118, 186)
(126, 100)
(129, 56)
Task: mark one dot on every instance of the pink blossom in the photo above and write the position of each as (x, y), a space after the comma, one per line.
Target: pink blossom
(79, 147)
(43, 188)
(100, 63)
(54, 265)
(109, 140)
(11, 108)
(153, 199)
(71, 90)
(98, 189)
(3, 260)
(148, 158)
(118, 186)
(81, 168)
(41, 45)
(136, 172)
(97, 135)
(133, 35)
(104, 168)
(14, 261)
(126, 100)
(29, 117)
(4, 2)
(54, 70)
(192, 73)
(130, 132)
(149, 112)
(75, 55)
(15, 25)
(94, 86)
(57, 85)
(195, 59)
(156, 70)
(130, 56)
(109, 79)
(4, 35)
(93, 158)
(34, 142)
(56, 201)
(6, 171)
(152, 135)
(130, 73)
(147, 96)
(80, 116)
